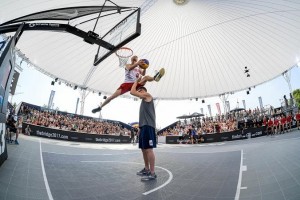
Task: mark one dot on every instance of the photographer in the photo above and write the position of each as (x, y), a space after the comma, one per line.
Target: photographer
(11, 128)
(27, 130)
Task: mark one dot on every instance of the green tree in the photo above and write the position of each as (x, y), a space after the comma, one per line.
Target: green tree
(296, 94)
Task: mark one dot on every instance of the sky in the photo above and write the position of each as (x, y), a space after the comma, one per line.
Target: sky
(35, 88)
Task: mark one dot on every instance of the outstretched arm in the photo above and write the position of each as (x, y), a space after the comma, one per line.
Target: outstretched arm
(143, 95)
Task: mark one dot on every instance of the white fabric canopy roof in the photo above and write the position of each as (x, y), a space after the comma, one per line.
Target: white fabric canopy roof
(204, 45)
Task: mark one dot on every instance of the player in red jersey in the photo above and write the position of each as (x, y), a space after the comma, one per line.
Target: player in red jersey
(276, 125)
(298, 118)
(282, 123)
(270, 129)
(289, 122)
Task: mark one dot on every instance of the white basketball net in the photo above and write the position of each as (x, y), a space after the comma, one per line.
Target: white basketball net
(123, 54)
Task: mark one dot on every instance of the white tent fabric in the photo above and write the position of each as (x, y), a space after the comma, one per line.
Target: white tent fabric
(204, 45)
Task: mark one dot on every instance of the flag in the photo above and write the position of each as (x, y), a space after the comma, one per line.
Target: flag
(244, 104)
(209, 110)
(218, 108)
(227, 103)
(50, 102)
(260, 103)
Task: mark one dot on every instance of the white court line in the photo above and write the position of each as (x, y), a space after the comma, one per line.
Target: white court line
(226, 151)
(44, 174)
(150, 191)
(85, 154)
(238, 188)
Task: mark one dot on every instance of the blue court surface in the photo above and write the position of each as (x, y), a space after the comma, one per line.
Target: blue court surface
(259, 168)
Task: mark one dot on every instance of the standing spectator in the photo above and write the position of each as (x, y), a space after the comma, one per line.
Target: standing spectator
(289, 119)
(147, 123)
(19, 125)
(270, 129)
(132, 134)
(276, 125)
(283, 123)
(11, 128)
(298, 118)
(27, 130)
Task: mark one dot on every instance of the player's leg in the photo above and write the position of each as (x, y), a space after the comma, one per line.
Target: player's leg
(156, 77)
(159, 74)
(113, 96)
(150, 143)
(145, 171)
(146, 159)
(151, 159)
(146, 79)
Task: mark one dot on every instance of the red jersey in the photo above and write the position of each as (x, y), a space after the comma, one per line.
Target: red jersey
(283, 120)
(264, 121)
(289, 119)
(270, 123)
(298, 116)
(276, 122)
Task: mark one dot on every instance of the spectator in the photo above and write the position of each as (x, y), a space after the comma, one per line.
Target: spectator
(27, 130)
(11, 128)
(298, 118)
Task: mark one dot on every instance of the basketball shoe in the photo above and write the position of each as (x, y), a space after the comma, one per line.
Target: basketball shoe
(159, 74)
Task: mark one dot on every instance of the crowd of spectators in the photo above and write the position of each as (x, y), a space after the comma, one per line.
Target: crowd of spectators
(194, 127)
(237, 120)
(69, 122)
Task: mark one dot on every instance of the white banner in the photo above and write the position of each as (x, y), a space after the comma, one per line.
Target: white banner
(244, 104)
(227, 104)
(50, 102)
(261, 103)
(209, 110)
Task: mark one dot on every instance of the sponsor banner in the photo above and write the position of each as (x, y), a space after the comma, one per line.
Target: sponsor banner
(218, 108)
(260, 104)
(50, 102)
(3, 146)
(227, 103)
(2, 137)
(244, 104)
(256, 132)
(201, 110)
(226, 136)
(209, 110)
(41, 131)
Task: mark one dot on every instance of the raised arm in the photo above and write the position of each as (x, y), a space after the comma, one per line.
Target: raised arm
(143, 95)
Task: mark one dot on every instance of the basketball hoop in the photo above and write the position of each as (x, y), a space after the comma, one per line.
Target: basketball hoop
(123, 54)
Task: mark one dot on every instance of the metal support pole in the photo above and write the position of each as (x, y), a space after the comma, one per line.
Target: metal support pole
(83, 95)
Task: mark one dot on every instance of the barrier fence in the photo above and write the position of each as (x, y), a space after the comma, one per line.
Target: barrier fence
(59, 134)
(220, 137)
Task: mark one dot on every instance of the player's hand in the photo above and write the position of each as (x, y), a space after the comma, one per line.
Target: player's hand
(139, 78)
(140, 62)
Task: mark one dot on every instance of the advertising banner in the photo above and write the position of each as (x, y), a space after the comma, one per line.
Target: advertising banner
(218, 108)
(74, 136)
(226, 136)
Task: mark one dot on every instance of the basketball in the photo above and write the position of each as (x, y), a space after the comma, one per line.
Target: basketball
(145, 65)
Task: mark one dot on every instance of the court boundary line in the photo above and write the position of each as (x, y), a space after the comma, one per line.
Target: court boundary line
(147, 192)
(85, 154)
(44, 174)
(238, 188)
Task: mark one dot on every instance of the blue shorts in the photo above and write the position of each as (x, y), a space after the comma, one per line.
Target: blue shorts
(147, 138)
